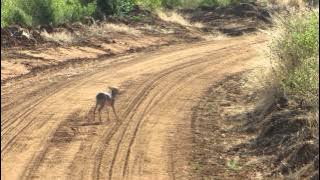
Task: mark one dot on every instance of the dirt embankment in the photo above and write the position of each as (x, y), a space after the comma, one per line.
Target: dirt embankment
(232, 21)
(239, 132)
(26, 50)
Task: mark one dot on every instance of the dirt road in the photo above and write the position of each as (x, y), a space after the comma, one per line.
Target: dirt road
(47, 130)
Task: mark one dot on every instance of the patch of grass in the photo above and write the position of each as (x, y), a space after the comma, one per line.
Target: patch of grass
(233, 164)
(107, 28)
(60, 37)
(222, 3)
(137, 18)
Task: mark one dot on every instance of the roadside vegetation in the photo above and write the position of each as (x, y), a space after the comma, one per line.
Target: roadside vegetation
(55, 12)
(291, 130)
(270, 118)
(295, 53)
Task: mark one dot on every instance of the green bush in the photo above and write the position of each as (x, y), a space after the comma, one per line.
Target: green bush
(299, 39)
(7, 14)
(34, 12)
(297, 52)
(303, 82)
(124, 7)
(20, 17)
(70, 10)
(114, 7)
(106, 7)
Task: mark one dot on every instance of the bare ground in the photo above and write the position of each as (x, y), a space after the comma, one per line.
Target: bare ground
(47, 130)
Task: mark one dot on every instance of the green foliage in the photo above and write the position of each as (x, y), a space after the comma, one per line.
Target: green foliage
(300, 38)
(124, 7)
(137, 18)
(233, 164)
(297, 51)
(20, 17)
(114, 7)
(70, 10)
(6, 11)
(106, 7)
(303, 82)
(34, 12)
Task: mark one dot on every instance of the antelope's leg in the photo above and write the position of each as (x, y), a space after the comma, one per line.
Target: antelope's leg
(94, 112)
(108, 113)
(100, 108)
(114, 111)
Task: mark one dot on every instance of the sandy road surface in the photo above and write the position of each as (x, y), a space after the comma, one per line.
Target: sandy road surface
(49, 133)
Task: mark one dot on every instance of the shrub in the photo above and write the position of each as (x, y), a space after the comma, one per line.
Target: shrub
(20, 17)
(124, 7)
(34, 12)
(296, 49)
(7, 8)
(70, 10)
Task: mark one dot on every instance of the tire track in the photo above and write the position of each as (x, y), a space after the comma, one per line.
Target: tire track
(8, 122)
(150, 86)
(131, 109)
(37, 160)
(184, 80)
(128, 150)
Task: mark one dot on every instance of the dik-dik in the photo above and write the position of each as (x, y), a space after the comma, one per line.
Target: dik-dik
(108, 99)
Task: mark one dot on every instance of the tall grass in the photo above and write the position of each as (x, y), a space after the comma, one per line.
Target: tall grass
(296, 51)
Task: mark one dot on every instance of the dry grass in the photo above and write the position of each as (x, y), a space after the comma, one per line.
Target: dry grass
(214, 36)
(105, 29)
(177, 18)
(153, 28)
(60, 37)
(288, 4)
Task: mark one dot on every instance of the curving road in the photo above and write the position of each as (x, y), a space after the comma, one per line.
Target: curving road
(47, 130)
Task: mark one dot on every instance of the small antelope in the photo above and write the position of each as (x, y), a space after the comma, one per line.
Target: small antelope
(105, 98)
